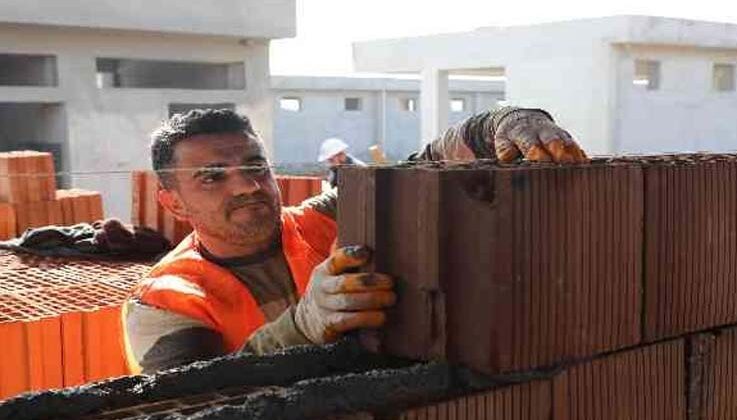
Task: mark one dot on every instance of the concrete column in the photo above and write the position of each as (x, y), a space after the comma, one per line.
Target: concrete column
(382, 137)
(258, 102)
(434, 104)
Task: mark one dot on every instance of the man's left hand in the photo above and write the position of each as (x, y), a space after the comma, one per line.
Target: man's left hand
(533, 134)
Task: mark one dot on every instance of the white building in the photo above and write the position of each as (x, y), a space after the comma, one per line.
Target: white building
(363, 112)
(620, 84)
(89, 79)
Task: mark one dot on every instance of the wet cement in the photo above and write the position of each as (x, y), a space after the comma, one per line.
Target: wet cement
(282, 368)
(306, 382)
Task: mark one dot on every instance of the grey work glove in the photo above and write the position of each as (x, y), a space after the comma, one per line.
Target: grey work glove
(337, 302)
(506, 134)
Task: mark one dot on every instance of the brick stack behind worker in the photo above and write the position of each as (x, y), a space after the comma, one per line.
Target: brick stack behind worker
(29, 198)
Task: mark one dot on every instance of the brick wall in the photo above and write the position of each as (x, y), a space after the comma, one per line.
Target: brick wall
(511, 268)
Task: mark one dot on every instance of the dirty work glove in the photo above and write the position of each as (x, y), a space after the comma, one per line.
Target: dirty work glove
(506, 134)
(336, 301)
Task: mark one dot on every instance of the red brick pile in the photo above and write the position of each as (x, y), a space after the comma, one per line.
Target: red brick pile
(60, 321)
(146, 210)
(29, 198)
(296, 189)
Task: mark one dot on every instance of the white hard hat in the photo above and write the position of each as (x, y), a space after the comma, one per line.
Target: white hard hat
(331, 147)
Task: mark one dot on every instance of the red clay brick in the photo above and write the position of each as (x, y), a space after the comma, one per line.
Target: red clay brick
(48, 176)
(73, 361)
(80, 206)
(7, 221)
(31, 340)
(138, 200)
(90, 323)
(295, 189)
(64, 197)
(26, 176)
(33, 168)
(503, 268)
(528, 401)
(154, 213)
(713, 375)
(644, 383)
(690, 245)
(13, 182)
(54, 213)
(37, 214)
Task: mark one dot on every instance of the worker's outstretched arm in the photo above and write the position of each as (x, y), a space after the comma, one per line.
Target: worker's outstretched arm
(158, 339)
(506, 134)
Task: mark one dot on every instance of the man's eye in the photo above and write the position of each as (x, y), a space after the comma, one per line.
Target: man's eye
(212, 176)
(256, 169)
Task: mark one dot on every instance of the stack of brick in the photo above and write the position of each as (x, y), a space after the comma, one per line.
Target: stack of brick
(295, 189)
(79, 206)
(598, 291)
(60, 321)
(28, 195)
(147, 211)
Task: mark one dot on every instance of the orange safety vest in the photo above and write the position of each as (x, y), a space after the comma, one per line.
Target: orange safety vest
(185, 283)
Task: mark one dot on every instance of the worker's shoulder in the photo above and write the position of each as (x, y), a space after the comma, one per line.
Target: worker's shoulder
(185, 283)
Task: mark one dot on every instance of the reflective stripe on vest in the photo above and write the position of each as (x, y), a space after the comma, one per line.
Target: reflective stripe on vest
(185, 283)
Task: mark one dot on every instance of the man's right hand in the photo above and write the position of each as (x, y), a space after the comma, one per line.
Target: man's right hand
(337, 302)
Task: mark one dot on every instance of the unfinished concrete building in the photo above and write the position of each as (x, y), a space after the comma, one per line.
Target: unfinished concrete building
(619, 84)
(88, 80)
(363, 112)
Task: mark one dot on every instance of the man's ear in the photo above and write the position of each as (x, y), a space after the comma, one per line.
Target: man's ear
(173, 203)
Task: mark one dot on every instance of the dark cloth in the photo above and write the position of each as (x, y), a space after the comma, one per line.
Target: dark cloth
(102, 240)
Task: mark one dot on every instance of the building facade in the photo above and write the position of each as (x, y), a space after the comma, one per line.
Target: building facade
(89, 79)
(363, 112)
(622, 84)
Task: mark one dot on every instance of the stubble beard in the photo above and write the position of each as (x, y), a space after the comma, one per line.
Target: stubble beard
(254, 232)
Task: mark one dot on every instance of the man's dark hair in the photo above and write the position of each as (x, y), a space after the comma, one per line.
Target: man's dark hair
(183, 126)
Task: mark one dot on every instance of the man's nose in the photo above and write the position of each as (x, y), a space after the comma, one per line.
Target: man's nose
(242, 183)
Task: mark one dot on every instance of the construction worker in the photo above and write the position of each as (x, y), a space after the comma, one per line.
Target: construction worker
(257, 277)
(334, 152)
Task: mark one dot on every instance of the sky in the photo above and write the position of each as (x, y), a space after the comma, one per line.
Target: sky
(326, 28)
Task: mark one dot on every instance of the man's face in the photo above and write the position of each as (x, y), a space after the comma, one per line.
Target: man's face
(224, 187)
(337, 159)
